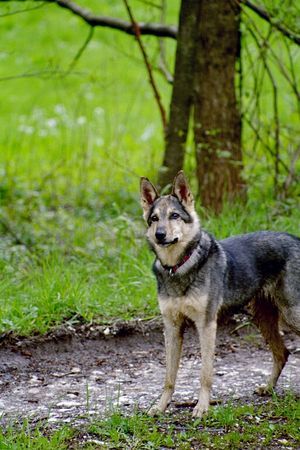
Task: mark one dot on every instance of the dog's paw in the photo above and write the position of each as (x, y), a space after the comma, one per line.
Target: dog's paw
(155, 410)
(264, 391)
(200, 410)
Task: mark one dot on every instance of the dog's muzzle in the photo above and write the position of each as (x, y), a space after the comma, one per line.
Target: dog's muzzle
(167, 243)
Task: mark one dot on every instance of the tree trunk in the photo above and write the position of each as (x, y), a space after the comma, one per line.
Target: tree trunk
(217, 121)
(182, 93)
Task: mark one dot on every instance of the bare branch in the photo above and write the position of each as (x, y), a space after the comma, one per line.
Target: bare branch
(292, 174)
(272, 20)
(266, 145)
(261, 46)
(277, 59)
(39, 74)
(163, 66)
(154, 5)
(136, 29)
(19, 11)
(153, 29)
(80, 51)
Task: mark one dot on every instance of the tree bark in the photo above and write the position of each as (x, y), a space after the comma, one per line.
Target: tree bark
(217, 121)
(182, 93)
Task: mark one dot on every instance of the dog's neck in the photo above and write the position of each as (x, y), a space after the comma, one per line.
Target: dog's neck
(173, 269)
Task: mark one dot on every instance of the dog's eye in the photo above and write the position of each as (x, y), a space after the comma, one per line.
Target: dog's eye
(174, 216)
(154, 218)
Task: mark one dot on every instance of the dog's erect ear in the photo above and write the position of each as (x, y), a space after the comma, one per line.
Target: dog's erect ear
(182, 191)
(148, 194)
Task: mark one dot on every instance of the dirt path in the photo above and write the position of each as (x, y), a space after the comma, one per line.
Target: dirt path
(69, 375)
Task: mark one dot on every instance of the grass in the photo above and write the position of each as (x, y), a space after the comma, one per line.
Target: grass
(97, 270)
(272, 424)
(24, 437)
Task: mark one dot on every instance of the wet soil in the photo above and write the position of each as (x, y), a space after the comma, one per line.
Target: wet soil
(76, 372)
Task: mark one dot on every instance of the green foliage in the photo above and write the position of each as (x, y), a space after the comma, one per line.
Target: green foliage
(25, 437)
(74, 264)
(273, 423)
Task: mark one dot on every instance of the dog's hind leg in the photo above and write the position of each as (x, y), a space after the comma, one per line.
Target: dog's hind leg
(173, 343)
(266, 317)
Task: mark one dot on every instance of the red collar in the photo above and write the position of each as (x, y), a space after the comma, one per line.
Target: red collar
(173, 269)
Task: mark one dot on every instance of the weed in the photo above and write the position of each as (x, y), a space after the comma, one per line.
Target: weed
(40, 437)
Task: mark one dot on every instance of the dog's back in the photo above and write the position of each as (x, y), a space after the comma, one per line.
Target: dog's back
(264, 264)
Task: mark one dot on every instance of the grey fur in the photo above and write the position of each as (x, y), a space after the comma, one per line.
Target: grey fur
(261, 269)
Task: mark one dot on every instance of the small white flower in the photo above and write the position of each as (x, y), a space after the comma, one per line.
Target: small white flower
(51, 123)
(89, 95)
(99, 141)
(148, 132)
(37, 113)
(81, 120)
(98, 111)
(59, 109)
(43, 133)
(26, 129)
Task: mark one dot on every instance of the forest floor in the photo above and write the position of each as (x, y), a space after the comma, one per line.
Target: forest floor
(82, 371)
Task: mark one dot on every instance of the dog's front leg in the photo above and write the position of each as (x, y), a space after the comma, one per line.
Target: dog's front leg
(173, 330)
(207, 335)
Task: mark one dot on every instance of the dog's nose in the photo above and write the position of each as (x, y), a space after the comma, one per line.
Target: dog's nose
(160, 235)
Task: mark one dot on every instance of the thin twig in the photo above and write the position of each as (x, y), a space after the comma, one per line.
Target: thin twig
(291, 176)
(163, 67)
(292, 68)
(253, 108)
(272, 20)
(19, 11)
(277, 59)
(40, 74)
(137, 32)
(80, 51)
(152, 4)
(261, 45)
(267, 146)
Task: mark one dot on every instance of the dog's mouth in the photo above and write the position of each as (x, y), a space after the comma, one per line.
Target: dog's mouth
(167, 243)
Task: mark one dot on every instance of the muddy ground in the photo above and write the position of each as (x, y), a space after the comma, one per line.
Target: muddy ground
(80, 371)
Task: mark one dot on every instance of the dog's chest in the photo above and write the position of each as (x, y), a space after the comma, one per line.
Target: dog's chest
(191, 306)
(179, 286)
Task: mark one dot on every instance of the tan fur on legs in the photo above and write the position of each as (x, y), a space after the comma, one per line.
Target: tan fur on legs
(266, 317)
(207, 335)
(173, 344)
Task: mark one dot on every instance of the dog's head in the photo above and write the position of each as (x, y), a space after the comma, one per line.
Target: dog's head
(172, 219)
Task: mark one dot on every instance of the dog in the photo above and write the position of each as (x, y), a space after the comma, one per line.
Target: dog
(197, 276)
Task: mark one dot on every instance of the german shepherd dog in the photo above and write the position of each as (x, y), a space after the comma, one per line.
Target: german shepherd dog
(197, 275)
